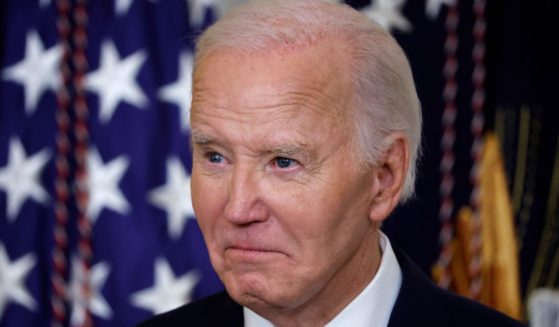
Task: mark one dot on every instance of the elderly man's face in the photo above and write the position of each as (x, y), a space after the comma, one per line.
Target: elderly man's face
(279, 193)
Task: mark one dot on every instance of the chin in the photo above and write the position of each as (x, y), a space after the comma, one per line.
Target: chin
(262, 293)
(252, 290)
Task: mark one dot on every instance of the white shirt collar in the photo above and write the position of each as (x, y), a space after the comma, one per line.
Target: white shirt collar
(372, 307)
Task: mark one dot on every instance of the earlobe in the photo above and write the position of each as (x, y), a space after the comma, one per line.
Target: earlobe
(389, 176)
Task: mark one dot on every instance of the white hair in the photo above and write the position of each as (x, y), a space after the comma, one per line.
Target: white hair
(384, 100)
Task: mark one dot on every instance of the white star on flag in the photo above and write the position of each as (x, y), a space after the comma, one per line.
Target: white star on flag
(179, 92)
(44, 3)
(103, 183)
(93, 301)
(36, 72)
(12, 280)
(122, 7)
(197, 10)
(168, 292)
(174, 197)
(433, 7)
(20, 178)
(388, 14)
(115, 80)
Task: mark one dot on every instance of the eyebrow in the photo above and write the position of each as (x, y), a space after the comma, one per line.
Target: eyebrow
(289, 150)
(280, 149)
(200, 138)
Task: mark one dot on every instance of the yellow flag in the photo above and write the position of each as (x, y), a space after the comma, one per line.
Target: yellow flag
(499, 256)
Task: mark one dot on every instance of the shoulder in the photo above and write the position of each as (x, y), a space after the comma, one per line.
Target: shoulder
(465, 312)
(216, 310)
(420, 300)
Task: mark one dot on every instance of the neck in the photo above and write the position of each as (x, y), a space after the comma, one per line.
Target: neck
(343, 287)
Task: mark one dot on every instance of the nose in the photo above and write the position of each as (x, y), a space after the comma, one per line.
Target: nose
(244, 204)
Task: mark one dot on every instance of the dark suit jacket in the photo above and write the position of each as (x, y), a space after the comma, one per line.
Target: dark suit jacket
(419, 303)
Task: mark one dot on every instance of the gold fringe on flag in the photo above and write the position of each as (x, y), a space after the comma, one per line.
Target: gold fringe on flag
(499, 262)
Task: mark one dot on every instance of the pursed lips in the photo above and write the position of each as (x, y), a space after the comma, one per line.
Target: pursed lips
(249, 248)
(251, 251)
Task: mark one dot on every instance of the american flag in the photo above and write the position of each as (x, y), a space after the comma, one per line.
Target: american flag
(97, 94)
(96, 224)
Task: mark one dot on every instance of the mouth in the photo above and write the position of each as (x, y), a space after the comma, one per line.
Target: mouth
(249, 253)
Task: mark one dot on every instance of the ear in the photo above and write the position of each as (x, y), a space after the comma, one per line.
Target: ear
(389, 175)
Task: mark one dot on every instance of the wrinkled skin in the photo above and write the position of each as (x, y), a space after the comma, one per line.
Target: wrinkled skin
(288, 213)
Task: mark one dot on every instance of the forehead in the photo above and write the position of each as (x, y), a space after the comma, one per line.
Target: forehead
(307, 80)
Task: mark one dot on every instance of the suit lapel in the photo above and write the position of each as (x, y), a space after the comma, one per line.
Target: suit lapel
(231, 313)
(418, 300)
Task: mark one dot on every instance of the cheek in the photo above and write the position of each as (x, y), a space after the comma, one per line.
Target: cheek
(207, 200)
(305, 220)
(328, 217)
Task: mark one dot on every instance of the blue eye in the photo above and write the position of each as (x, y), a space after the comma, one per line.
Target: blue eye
(215, 157)
(282, 162)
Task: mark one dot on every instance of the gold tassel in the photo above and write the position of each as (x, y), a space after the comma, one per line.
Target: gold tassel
(500, 269)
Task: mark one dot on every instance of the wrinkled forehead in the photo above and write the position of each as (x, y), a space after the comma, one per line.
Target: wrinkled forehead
(319, 71)
(303, 93)
(332, 51)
